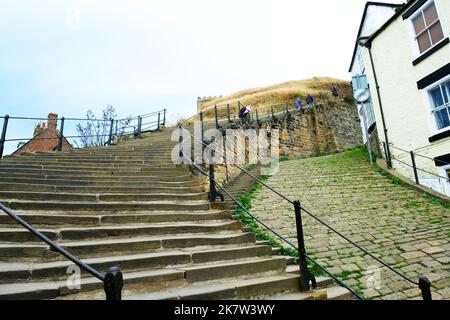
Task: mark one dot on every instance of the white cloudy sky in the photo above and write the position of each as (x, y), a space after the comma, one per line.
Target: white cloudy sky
(69, 56)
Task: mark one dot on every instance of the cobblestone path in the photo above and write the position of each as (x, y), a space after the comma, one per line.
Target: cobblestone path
(404, 228)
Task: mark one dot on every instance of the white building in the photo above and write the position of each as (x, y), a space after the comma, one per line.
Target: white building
(402, 59)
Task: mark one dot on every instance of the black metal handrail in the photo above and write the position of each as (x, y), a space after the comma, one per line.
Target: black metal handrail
(112, 280)
(85, 119)
(137, 129)
(423, 283)
(413, 164)
(286, 108)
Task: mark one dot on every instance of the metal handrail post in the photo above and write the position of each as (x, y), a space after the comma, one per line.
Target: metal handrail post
(3, 136)
(303, 266)
(61, 135)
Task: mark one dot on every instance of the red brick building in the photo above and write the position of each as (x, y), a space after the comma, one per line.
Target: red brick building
(45, 139)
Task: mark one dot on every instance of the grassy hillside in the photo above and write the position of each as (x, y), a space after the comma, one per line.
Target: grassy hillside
(279, 94)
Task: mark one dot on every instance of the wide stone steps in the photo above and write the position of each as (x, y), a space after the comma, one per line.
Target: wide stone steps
(90, 218)
(141, 172)
(130, 262)
(106, 188)
(133, 181)
(105, 206)
(167, 277)
(30, 251)
(101, 197)
(142, 166)
(123, 157)
(117, 231)
(263, 286)
(128, 206)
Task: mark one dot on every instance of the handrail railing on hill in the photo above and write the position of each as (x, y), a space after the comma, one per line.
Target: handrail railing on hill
(254, 117)
(305, 277)
(112, 280)
(105, 134)
(413, 165)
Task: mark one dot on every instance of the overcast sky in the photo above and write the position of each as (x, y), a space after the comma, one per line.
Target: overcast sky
(70, 56)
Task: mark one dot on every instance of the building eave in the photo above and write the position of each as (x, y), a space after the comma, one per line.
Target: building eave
(368, 4)
(399, 13)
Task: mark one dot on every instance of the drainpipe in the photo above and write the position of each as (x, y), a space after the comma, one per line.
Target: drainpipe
(388, 152)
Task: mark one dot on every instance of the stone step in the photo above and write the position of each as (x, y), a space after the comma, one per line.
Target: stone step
(90, 219)
(101, 189)
(53, 289)
(339, 293)
(264, 285)
(20, 234)
(124, 154)
(101, 197)
(131, 262)
(89, 161)
(65, 181)
(85, 172)
(322, 282)
(95, 248)
(105, 206)
(108, 167)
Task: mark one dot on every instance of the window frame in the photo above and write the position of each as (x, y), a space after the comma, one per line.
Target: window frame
(431, 110)
(414, 36)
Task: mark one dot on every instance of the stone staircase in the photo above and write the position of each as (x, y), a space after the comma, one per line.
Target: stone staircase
(129, 206)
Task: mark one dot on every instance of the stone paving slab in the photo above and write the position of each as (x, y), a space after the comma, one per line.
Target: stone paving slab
(404, 228)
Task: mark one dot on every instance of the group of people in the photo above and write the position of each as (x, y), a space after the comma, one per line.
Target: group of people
(244, 113)
(310, 99)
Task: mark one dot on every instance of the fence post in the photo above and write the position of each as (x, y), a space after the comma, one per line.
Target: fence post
(61, 135)
(117, 125)
(413, 161)
(257, 117)
(201, 130)
(425, 288)
(238, 108)
(111, 128)
(228, 113)
(386, 154)
(286, 107)
(139, 130)
(303, 266)
(271, 108)
(164, 118)
(113, 284)
(3, 136)
(213, 194)
(180, 140)
(216, 117)
(159, 121)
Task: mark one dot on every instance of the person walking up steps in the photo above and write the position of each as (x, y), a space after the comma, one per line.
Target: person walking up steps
(309, 101)
(335, 92)
(298, 104)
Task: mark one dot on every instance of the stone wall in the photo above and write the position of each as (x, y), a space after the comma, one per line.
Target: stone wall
(326, 128)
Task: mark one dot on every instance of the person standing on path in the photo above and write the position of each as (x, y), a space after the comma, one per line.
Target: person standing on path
(335, 92)
(309, 101)
(298, 104)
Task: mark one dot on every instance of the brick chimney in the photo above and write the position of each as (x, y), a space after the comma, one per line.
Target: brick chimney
(52, 121)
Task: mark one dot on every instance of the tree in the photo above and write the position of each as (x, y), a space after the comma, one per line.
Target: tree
(96, 131)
